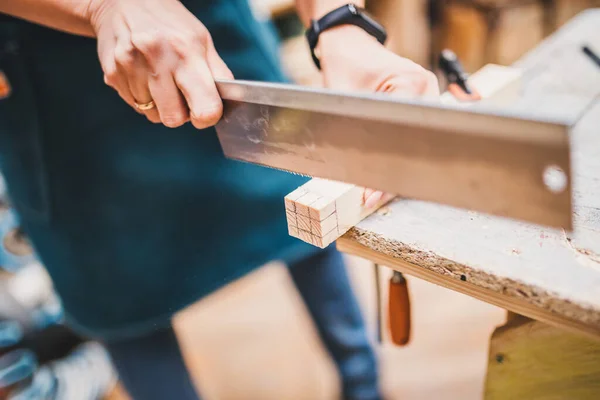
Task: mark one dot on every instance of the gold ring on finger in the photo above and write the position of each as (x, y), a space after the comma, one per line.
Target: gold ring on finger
(145, 106)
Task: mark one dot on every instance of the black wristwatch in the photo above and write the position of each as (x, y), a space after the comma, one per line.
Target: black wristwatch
(348, 14)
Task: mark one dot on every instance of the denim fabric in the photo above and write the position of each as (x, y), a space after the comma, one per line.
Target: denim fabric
(324, 285)
(152, 367)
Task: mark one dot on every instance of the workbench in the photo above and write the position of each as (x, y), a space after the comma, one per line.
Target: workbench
(548, 279)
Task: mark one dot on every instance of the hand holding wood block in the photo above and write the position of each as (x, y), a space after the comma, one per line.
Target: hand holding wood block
(321, 210)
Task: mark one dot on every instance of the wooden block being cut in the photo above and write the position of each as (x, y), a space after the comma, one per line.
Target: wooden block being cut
(304, 222)
(292, 197)
(303, 203)
(322, 210)
(293, 230)
(320, 228)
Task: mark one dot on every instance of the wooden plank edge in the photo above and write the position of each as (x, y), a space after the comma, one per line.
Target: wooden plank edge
(347, 244)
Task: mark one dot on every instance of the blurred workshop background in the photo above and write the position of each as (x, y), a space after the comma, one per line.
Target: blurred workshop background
(478, 31)
(254, 339)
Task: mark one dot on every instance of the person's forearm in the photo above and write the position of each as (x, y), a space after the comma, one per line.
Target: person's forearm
(314, 9)
(65, 15)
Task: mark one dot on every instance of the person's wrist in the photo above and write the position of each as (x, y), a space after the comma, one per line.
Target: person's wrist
(336, 42)
(97, 11)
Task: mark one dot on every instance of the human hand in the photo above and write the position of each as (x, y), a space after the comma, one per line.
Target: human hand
(353, 60)
(157, 52)
(460, 95)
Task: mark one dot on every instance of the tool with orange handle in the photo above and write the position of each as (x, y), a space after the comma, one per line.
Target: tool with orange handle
(399, 309)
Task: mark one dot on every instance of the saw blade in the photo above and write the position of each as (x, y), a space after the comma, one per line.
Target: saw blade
(482, 160)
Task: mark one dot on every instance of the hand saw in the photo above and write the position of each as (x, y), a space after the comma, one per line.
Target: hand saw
(486, 160)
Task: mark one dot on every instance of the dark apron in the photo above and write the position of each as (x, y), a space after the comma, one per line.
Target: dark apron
(134, 220)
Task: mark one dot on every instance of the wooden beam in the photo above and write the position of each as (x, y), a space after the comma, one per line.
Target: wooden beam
(321, 210)
(532, 360)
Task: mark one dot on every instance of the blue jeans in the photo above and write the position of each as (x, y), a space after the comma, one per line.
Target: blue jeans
(152, 367)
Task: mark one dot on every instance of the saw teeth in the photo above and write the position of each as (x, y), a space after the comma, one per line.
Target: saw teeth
(289, 172)
(279, 169)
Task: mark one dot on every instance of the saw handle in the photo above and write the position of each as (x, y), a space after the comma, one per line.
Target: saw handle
(399, 309)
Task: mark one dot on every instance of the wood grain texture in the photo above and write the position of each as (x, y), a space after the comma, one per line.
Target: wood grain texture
(516, 31)
(321, 210)
(464, 30)
(545, 274)
(407, 26)
(531, 360)
(482, 32)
